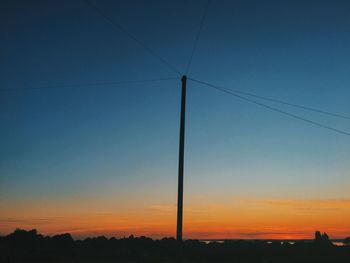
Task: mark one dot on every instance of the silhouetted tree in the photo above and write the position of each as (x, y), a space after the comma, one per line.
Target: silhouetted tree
(346, 241)
(28, 246)
(322, 240)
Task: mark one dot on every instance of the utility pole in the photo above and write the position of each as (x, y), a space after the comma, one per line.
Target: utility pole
(181, 167)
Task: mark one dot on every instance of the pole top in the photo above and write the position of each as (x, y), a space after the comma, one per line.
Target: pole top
(183, 78)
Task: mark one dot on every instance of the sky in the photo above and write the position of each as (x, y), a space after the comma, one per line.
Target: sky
(102, 159)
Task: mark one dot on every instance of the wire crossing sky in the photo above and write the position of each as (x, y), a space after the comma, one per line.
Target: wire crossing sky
(75, 159)
(197, 37)
(99, 84)
(122, 29)
(228, 91)
(282, 102)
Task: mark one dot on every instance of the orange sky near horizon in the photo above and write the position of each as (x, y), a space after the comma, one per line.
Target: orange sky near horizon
(89, 143)
(238, 217)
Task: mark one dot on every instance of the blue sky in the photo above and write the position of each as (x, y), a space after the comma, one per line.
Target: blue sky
(121, 141)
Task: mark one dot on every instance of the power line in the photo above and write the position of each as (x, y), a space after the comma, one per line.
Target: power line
(197, 36)
(122, 29)
(292, 104)
(88, 84)
(287, 103)
(273, 108)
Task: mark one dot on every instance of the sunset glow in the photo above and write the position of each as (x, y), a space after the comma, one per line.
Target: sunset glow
(90, 116)
(243, 218)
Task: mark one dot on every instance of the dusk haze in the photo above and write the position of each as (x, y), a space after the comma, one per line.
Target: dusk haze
(97, 97)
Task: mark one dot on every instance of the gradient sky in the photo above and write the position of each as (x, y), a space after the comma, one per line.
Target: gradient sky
(103, 160)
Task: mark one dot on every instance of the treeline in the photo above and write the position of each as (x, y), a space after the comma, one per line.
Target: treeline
(29, 246)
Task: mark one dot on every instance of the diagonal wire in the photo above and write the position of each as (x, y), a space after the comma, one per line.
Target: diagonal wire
(292, 104)
(126, 32)
(288, 103)
(197, 37)
(88, 84)
(273, 108)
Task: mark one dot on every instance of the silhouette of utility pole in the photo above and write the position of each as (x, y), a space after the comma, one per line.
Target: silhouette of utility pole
(181, 167)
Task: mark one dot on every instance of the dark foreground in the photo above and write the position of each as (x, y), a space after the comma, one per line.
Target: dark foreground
(28, 246)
